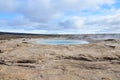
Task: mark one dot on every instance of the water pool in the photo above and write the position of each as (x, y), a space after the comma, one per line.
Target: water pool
(61, 42)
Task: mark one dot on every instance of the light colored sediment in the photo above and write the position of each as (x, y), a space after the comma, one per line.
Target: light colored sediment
(23, 60)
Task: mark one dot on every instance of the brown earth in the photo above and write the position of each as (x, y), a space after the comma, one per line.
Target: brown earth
(20, 59)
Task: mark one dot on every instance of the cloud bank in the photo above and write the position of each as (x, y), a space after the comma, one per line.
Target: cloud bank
(60, 16)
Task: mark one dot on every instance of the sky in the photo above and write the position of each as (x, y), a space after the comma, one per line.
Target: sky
(60, 16)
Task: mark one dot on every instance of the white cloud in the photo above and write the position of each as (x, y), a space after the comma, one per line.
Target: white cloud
(9, 5)
(46, 10)
(37, 15)
(78, 22)
(82, 4)
(74, 22)
(95, 23)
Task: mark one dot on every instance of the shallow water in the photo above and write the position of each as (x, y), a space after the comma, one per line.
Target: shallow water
(62, 42)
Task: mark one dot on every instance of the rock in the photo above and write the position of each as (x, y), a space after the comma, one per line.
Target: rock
(80, 57)
(110, 40)
(110, 58)
(25, 42)
(1, 51)
(111, 46)
(2, 62)
(26, 61)
(104, 78)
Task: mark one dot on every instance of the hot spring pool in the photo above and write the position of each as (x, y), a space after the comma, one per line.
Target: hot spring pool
(61, 42)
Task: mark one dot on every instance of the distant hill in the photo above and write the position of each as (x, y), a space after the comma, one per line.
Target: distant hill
(8, 35)
(2, 33)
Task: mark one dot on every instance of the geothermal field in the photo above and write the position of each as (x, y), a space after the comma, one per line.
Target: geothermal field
(24, 57)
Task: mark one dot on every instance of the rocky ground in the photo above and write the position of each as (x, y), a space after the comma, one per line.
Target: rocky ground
(21, 59)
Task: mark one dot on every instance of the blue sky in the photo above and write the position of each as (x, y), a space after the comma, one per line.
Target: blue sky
(60, 16)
